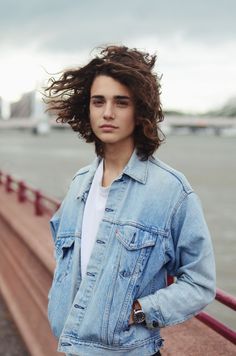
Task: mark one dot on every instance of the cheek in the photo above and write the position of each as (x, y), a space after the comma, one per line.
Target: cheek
(91, 117)
(131, 121)
(94, 114)
(92, 123)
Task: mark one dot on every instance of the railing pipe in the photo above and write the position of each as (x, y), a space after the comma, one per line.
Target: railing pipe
(226, 299)
(216, 325)
(55, 202)
(170, 280)
(22, 191)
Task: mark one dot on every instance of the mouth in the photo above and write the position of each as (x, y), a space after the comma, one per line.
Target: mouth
(106, 126)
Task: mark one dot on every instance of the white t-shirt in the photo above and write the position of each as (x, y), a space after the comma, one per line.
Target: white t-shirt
(93, 214)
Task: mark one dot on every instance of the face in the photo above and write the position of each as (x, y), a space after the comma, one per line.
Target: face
(112, 110)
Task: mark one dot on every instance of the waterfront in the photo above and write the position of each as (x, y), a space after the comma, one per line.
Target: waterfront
(49, 163)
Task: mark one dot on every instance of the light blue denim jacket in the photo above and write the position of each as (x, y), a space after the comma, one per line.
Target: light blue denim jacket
(153, 226)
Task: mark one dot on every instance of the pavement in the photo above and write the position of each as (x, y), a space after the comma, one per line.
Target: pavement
(11, 343)
(196, 339)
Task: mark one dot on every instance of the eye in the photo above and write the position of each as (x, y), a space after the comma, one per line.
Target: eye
(97, 102)
(122, 103)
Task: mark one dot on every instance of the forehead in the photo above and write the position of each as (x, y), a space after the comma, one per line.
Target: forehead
(108, 86)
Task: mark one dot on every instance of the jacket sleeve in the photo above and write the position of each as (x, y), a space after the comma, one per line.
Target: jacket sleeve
(192, 263)
(54, 224)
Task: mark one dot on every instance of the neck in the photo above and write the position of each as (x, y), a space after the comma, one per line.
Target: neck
(115, 159)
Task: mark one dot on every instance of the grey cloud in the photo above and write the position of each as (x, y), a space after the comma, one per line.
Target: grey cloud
(62, 25)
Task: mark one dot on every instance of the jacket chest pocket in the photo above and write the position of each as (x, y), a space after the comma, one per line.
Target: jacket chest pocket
(63, 253)
(135, 247)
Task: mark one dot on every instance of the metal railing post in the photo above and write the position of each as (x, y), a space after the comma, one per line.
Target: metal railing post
(9, 181)
(38, 203)
(21, 192)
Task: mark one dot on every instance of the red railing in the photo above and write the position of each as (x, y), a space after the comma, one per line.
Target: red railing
(229, 301)
(222, 329)
(44, 204)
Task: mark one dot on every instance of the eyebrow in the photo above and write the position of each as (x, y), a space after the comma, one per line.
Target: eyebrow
(120, 97)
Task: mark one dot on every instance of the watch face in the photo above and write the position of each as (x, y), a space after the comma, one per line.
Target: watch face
(139, 316)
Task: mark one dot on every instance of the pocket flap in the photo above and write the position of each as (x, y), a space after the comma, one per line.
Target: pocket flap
(134, 238)
(63, 244)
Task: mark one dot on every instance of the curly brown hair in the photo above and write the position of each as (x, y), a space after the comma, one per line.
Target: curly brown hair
(69, 96)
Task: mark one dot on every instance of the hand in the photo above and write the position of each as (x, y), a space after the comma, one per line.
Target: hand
(131, 318)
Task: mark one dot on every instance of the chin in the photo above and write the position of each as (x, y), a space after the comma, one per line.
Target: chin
(108, 139)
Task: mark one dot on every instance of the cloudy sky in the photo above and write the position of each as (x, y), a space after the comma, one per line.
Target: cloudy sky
(195, 42)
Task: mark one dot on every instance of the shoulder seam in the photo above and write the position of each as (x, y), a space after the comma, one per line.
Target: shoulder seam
(81, 171)
(178, 204)
(187, 188)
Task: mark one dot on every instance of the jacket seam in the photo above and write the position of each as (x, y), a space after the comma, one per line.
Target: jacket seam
(81, 172)
(178, 321)
(104, 346)
(150, 229)
(185, 187)
(180, 201)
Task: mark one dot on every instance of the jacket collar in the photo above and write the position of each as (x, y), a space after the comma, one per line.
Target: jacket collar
(89, 171)
(135, 168)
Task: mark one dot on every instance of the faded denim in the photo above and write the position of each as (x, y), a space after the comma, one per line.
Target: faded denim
(153, 226)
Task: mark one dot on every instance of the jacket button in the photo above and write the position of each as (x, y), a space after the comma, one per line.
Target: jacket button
(155, 324)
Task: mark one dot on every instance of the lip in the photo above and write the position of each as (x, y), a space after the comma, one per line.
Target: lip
(106, 126)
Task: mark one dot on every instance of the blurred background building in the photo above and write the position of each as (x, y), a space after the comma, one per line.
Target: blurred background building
(24, 106)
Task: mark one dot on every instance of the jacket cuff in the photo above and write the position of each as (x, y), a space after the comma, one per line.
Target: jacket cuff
(153, 316)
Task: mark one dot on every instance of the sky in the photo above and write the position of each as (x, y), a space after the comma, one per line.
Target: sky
(195, 43)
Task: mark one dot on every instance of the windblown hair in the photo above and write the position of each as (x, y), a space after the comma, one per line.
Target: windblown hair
(69, 96)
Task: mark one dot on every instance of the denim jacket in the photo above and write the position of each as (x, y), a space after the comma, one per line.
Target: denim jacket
(153, 226)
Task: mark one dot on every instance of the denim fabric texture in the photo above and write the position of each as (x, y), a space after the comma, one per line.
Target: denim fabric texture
(153, 226)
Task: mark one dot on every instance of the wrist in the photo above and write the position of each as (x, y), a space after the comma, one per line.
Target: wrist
(136, 305)
(138, 315)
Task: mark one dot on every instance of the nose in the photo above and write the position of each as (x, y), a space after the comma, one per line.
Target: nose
(108, 113)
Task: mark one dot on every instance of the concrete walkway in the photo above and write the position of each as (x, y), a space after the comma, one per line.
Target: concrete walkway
(196, 339)
(11, 343)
